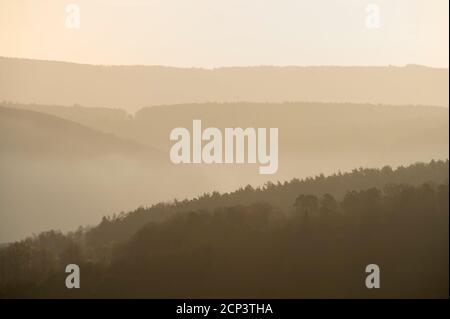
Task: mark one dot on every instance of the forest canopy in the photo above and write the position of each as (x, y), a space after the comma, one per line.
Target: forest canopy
(316, 244)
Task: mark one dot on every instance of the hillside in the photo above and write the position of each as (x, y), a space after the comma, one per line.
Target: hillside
(30, 133)
(57, 173)
(317, 246)
(133, 87)
(71, 165)
(310, 134)
(280, 196)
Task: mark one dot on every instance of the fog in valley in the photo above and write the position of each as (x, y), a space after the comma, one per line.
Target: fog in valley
(68, 165)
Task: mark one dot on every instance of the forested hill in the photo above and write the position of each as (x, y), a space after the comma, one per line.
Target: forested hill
(308, 238)
(132, 87)
(281, 196)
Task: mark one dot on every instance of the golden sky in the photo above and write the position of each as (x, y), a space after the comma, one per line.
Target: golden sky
(213, 33)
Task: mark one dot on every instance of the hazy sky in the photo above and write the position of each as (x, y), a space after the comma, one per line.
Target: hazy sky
(211, 33)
